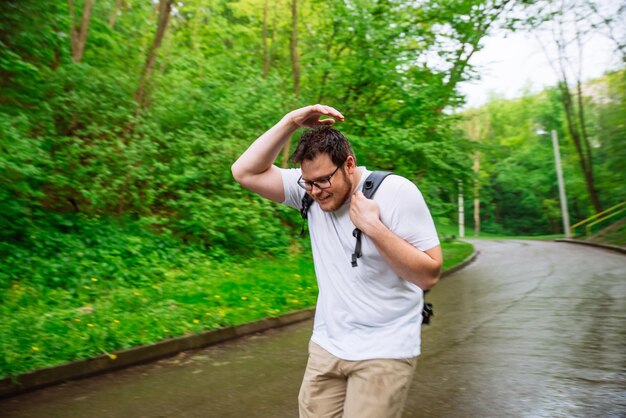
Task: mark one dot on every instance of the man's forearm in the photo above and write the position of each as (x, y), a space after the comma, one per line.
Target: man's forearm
(421, 268)
(260, 156)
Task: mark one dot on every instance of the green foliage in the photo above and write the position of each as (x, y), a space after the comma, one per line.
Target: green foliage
(455, 252)
(167, 290)
(22, 172)
(78, 145)
(518, 183)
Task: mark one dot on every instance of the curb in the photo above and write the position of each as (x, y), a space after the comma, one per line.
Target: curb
(593, 244)
(461, 265)
(143, 354)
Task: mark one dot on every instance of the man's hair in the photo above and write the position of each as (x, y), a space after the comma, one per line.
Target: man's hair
(322, 140)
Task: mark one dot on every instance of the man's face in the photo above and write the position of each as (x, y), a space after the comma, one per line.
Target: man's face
(320, 168)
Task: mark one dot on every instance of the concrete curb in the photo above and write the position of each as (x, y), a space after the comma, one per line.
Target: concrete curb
(461, 265)
(143, 354)
(593, 244)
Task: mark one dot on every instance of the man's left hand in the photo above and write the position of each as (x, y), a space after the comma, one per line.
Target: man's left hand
(364, 212)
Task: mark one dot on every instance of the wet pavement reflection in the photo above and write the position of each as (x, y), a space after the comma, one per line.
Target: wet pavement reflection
(531, 329)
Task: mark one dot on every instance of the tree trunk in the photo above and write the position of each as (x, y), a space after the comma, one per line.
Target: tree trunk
(114, 12)
(575, 119)
(78, 34)
(266, 61)
(295, 69)
(56, 61)
(583, 127)
(165, 7)
(584, 156)
(294, 49)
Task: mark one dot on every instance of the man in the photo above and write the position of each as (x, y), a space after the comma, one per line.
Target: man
(366, 335)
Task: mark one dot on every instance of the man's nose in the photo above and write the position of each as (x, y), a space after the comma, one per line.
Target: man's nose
(315, 191)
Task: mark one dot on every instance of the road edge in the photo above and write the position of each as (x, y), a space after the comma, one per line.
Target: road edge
(38, 379)
(593, 244)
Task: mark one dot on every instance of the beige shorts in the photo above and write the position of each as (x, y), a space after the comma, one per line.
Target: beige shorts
(339, 388)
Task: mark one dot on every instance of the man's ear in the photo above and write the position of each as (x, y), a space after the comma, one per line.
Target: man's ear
(350, 164)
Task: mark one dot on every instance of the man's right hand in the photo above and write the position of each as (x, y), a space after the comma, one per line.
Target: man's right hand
(309, 116)
(254, 169)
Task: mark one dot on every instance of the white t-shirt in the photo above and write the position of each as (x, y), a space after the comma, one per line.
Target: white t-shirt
(368, 311)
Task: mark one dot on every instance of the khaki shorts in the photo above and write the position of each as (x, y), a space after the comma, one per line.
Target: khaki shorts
(354, 389)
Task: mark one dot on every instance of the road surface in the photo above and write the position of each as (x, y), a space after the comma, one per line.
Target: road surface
(530, 329)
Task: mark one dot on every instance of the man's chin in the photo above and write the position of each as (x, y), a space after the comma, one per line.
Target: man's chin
(329, 205)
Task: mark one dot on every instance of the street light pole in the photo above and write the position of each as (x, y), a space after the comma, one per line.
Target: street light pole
(461, 211)
(559, 175)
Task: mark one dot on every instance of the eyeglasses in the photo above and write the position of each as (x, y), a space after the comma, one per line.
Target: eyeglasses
(322, 183)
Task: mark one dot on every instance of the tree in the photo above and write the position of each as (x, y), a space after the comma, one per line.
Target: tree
(78, 33)
(266, 53)
(476, 126)
(572, 22)
(117, 7)
(295, 65)
(165, 8)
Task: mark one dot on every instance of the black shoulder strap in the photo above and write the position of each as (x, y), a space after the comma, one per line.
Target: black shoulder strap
(372, 182)
(370, 186)
(307, 201)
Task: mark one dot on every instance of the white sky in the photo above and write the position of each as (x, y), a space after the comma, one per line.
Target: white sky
(509, 65)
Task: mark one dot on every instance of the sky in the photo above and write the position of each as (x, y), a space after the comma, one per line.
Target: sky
(510, 64)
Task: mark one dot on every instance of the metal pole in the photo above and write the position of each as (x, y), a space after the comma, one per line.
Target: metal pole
(461, 211)
(559, 175)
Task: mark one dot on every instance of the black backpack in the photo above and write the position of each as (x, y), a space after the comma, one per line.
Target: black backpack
(370, 186)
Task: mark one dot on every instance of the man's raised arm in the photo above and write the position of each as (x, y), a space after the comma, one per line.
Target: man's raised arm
(255, 169)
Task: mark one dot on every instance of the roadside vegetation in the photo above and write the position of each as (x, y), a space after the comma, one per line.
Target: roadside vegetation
(119, 291)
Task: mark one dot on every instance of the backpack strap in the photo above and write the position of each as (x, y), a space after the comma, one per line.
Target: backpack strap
(307, 201)
(372, 182)
(370, 186)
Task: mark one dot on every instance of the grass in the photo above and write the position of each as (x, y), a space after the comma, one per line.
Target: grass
(614, 234)
(453, 231)
(42, 327)
(454, 252)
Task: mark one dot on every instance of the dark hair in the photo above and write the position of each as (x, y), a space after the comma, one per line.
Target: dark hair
(325, 139)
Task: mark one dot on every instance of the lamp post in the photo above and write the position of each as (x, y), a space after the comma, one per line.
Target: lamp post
(559, 175)
(461, 211)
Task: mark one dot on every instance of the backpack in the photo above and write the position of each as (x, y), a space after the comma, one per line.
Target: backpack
(370, 186)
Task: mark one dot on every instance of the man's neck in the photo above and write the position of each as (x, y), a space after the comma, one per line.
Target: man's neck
(356, 179)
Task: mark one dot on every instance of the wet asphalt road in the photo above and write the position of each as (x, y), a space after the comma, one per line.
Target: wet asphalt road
(530, 329)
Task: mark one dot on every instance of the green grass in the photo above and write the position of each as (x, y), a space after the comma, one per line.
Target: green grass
(453, 231)
(614, 234)
(487, 235)
(454, 252)
(42, 327)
